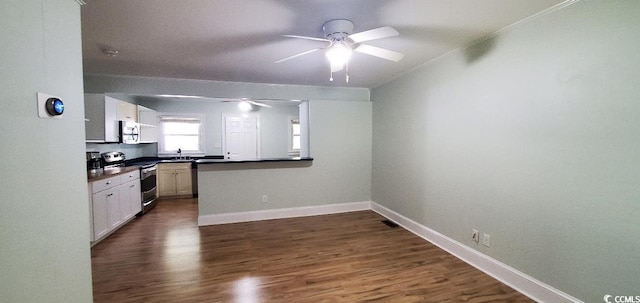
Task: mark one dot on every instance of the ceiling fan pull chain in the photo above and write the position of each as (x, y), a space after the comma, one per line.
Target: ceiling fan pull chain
(347, 71)
(331, 76)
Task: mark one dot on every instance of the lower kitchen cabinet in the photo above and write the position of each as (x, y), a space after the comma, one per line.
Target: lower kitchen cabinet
(174, 179)
(130, 197)
(103, 204)
(114, 201)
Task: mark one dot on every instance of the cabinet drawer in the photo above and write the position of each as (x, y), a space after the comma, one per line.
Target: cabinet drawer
(130, 176)
(98, 186)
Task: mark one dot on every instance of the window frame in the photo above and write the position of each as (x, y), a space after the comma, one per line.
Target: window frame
(164, 117)
(291, 150)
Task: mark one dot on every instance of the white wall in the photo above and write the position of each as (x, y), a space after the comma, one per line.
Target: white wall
(44, 215)
(341, 170)
(532, 137)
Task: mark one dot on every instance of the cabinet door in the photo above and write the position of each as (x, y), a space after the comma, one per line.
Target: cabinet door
(100, 214)
(127, 112)
(166, 182)
(135, 195)
(183, 181)
(130, 203)
(148, 120)
(113, 208)
(94, 117)
(111, 127)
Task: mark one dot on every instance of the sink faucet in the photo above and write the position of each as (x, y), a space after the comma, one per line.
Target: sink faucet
(179, 153)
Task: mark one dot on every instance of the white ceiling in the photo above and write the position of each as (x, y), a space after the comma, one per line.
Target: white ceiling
(232, 40)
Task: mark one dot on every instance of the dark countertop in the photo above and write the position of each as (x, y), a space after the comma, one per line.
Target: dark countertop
(110, 172)
(137, 163)
(144, 161)
(225, 161)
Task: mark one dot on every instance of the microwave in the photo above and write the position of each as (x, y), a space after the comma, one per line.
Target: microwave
(129, 132)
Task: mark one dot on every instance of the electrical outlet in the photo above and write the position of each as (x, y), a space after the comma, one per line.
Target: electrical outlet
(486, 240)
(475, 235)
(265, 199)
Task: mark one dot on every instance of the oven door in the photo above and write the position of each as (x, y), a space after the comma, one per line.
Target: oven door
(148, 183)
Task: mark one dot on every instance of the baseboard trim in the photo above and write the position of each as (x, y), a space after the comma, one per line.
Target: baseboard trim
(506, 274)
(282, 213)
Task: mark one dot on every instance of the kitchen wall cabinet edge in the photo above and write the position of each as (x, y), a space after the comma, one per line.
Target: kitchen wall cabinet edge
(101, 118)
(148, 121)
(113, 202)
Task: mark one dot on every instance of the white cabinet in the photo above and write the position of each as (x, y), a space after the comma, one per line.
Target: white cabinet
(101, 121)
(130, 195)
(101, 226)
(113, 209)
(148, 119)
(127, 112)
(102, 114)
(174, 179)
(114, 201)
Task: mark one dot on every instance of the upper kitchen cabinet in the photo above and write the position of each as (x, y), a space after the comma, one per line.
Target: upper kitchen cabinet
(101, 118)
(127, 112)
(148, 119)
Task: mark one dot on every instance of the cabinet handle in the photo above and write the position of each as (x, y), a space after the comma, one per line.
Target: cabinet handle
(132, 185)
(108, 182)
(109, 195)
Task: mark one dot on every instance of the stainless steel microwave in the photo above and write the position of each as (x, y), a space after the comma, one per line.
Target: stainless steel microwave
(129, 132)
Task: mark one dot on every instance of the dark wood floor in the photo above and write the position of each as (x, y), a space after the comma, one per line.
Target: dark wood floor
(353, 257)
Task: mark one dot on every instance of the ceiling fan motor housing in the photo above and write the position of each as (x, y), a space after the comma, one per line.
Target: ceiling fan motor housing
(337, 29)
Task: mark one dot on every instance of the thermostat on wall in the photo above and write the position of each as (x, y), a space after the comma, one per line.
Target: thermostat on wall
(49, 106)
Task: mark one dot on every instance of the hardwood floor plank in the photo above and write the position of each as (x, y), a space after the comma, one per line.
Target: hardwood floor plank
(352, 257)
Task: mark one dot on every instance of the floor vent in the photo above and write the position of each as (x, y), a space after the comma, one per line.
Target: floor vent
(390, 223)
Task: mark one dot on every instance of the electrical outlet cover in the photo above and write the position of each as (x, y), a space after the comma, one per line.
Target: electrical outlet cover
(486, 240)
(475, 235)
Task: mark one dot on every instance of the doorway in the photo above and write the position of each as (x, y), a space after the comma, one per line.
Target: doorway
(241, 136)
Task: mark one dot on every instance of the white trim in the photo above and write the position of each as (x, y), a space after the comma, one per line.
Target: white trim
(281, 213)
(518, 280)
(242, 115)
(165, 116)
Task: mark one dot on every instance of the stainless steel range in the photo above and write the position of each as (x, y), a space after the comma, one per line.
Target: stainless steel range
(148, 183)
(113, 159)
(149, 187)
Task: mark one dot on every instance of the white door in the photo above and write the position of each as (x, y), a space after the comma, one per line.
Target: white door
(241, 137)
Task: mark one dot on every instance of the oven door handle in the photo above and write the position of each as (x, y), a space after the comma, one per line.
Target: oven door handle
(149, 170)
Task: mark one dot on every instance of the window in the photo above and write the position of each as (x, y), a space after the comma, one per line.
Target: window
(294, 138)
(183, 132)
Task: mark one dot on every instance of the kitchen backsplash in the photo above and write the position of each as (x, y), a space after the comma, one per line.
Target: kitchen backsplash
(130, 150)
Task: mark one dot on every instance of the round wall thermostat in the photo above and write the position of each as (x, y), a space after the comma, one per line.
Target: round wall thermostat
(54, 106)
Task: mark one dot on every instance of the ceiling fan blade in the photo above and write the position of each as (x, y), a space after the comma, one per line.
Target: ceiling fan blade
(259, 104)
(379, 52)
(373, 34)
(298, 55)
(307, 38)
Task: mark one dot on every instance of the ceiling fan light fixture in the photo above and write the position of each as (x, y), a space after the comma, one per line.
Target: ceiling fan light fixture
(244, 106)
(339, 54)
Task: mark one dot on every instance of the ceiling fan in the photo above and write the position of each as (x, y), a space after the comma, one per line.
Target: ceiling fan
(342, 43)
(246, 105)
(243, 101)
